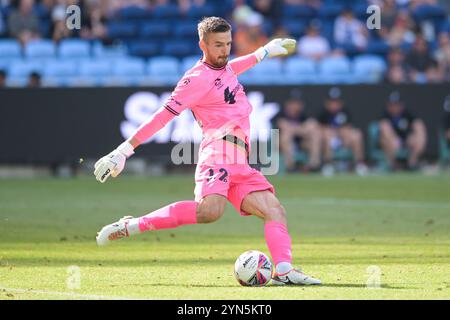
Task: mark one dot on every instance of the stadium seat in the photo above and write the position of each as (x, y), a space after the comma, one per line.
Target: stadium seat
(23, 68)
(122, 30)
(186, 30)
(300, 70)
(379, 47)
(335, 70)
(294, 27)
(60, 68)
(95, 68)
(169, 11)
(155, 29)
(299, 11)
(269, 72)
(369, 68)
(158, 66)
(196, 12)
(101, 51)
(129, 67)
(144, 48)
(330, 11)
(132, 12)
(375, 153)
(10, 48)
(178, 48)
(188, 62)
(74, 48)
(40, 49)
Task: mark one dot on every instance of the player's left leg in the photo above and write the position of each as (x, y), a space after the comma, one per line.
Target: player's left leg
(353, 139)
(416, 143)
(266, 206)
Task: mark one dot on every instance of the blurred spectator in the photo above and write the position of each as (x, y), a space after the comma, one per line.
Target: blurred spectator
(93, 22)
(349, 31)
(442, 55)
(297, 130)
(249, 36)
(2, 78)
(23, 23)
(401, 129)
(397, 69)
(269, 9)
(34, 81)
(313, 45)
(447, 119)
(402, 31)
(422, 66)
(337, 132)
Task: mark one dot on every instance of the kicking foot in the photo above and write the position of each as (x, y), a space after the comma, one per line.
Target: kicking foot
(113, 231)
(294, 277)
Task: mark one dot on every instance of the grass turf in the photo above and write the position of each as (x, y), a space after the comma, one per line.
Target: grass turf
(339, 227)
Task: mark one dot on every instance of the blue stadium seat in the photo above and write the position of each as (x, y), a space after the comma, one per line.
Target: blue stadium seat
(163, 70)
(101, 51)
(95, 68)
(369, 68)
(377, 47)
(121, 30)
(74, 48)
(335, 70)
(144, 48)
(330, 11)
(23, 68)
(178, 48)
(10, 48)
(186, 30)
(169, 11)
(271, 68)
(132, 13)
(40, 49)
(300, 70)
(129, 67)
(299, 11)
(294, 27)
(195, 13)
(60, 68)
(161, 66)
(428, 12)
(155, 29)
(188, 62)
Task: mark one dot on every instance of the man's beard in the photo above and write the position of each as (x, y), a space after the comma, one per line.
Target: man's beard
(221, 61)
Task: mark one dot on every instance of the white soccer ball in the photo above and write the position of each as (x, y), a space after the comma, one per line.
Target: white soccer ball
(253, 268)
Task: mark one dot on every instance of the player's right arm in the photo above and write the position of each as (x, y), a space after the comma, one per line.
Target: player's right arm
(188, 92)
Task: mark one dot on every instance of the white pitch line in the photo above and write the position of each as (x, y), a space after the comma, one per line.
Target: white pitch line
(365, 203)
(67, 294)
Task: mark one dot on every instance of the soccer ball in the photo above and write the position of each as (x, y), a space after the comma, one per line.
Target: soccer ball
(253, 268)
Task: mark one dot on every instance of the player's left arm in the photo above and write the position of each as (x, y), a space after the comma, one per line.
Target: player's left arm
(275, 48)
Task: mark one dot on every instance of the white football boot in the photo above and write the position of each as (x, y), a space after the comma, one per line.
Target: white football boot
(294, 277)
(113, 231)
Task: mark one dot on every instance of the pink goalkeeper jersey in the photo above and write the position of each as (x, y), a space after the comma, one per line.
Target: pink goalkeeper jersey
(215, 97)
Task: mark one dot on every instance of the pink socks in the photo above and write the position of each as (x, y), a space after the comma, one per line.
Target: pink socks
(278, 241)
(171, 216)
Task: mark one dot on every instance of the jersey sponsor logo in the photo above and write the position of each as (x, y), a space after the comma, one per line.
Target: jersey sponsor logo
(218, 83)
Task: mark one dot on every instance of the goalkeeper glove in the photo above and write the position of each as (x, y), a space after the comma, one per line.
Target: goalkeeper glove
(276, 47)
(113, 163)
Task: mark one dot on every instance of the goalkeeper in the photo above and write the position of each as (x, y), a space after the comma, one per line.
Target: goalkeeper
(218, 102)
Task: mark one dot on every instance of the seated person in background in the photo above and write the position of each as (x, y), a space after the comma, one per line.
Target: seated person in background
(399, 128)
(297, 129)
(337, 131)
(313, 45)
(447, 119)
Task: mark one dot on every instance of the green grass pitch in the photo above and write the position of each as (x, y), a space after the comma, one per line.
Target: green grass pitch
(340, 227)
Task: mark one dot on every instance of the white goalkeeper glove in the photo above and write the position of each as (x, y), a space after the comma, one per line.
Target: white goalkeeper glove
(113, 163)
(276, 47)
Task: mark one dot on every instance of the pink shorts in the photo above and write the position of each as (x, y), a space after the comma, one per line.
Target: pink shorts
(232, 180)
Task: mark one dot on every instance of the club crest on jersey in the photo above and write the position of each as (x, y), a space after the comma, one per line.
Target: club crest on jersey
(218, 83)
(229, 95)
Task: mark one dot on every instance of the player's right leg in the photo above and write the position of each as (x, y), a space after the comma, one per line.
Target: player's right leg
(207, 210)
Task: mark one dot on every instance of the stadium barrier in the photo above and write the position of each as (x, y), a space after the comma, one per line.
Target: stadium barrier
(62, 125)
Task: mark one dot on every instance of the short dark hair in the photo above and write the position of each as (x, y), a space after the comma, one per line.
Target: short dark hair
(212, 25)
